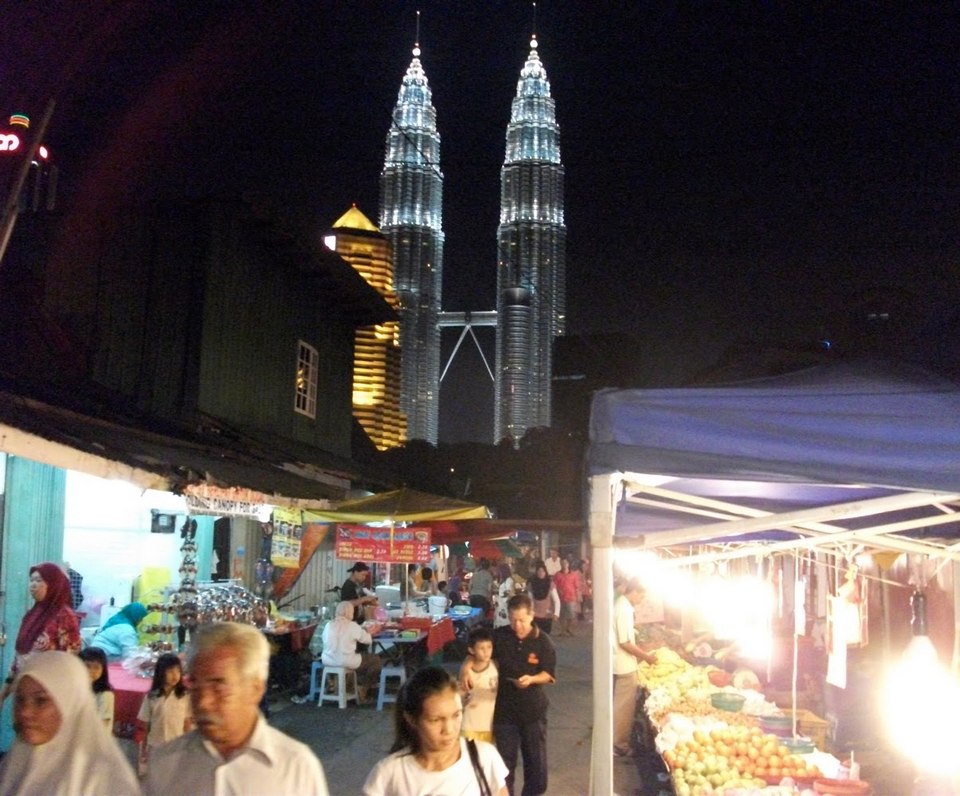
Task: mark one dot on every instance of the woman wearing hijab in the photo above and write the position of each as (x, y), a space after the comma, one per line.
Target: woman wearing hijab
(62, 747)
(546, 601)
(340, 638)
(119, 634)
(50, 624)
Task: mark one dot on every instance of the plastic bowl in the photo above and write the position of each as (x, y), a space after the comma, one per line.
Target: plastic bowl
(799, 745)
(781, 726)
(719, 678)
(732, 703)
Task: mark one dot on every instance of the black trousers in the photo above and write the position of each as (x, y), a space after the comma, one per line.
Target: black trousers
(530, 740)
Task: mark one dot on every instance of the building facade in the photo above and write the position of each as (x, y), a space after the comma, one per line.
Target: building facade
(376, 350)
(411, 199)
(531, 253)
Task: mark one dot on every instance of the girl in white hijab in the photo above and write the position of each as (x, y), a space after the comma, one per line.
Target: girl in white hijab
(340, 639)
(62, 747)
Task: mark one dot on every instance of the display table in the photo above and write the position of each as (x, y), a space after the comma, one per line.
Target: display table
(396, 649)
(439, 635)
(285, 647)
(128, 693)
(470, 619)
(292, 638)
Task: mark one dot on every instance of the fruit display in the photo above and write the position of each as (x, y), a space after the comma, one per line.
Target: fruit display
(725, 758)
(713, 751)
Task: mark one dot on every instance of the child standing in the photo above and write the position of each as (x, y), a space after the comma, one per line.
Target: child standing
(479, 702)
(165, 713)
(95, 660)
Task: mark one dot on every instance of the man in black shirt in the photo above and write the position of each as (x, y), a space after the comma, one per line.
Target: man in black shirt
(527, 661)
(353, 590)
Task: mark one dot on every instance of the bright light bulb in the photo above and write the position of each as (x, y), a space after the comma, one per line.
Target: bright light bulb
(922, 703)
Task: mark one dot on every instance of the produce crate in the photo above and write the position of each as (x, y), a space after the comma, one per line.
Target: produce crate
(811, 725)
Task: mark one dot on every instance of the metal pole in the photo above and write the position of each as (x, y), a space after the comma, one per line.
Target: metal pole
(604, 491)
(11, 208)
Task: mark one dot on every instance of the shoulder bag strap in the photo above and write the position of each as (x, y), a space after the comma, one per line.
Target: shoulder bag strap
(475, 759)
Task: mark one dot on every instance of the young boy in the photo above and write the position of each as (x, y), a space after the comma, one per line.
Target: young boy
(480, 700)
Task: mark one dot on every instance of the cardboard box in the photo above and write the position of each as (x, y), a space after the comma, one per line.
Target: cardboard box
(815, 728)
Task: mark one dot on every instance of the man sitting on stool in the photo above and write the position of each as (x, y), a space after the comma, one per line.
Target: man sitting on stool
(340, 639)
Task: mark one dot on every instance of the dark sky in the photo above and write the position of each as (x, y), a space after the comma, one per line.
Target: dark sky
(733, 170)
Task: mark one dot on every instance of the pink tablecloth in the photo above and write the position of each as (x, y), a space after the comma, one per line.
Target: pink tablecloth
(129, 691)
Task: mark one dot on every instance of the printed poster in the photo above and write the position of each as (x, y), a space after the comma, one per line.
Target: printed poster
(287, 536)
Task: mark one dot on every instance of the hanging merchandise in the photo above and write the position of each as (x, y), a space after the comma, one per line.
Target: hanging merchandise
(187, 602)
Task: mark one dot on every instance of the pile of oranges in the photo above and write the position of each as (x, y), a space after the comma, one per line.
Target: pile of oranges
(749, 751)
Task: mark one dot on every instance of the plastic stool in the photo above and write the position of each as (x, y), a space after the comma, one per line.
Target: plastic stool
(342, 692)
(385, 672)
(315, 668)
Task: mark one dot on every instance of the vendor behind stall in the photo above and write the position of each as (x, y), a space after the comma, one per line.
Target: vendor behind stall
(354, 591)
(626, 655)
(119, 634)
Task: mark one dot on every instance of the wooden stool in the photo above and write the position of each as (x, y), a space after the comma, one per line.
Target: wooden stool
(385, 672)
(342, 692)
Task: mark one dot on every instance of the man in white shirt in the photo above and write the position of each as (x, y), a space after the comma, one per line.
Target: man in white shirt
(232, 750)
(626, 655)
(553, 562)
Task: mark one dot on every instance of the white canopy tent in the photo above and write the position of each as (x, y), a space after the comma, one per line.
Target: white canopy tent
(864, 452)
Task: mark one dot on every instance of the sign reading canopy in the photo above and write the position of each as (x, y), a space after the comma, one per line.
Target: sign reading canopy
(383, 545)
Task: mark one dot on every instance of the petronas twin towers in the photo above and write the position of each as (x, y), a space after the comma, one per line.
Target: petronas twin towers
(531, 260)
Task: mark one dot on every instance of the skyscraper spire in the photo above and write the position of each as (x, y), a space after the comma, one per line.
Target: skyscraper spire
(531, 254)
(411, 200)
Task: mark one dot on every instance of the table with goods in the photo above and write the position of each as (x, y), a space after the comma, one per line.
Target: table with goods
(718, 734)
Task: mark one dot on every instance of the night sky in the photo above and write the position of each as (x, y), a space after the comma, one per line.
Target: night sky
(734, 171)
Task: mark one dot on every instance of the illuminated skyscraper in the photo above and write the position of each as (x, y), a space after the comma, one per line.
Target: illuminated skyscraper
(376, 359)
(411, 197)
(531, 254)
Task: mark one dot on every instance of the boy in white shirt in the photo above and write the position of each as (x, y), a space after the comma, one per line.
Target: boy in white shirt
(478, 703)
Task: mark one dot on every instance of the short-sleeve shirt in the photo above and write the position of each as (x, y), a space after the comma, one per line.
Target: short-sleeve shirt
(401, 775)
(350, 591)
(623, 633)
(271, 762)
(165, 715)
(516, 657)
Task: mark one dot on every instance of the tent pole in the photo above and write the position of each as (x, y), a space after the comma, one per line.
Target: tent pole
(604, 493)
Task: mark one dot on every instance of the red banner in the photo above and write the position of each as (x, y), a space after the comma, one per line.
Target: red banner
(383, 545)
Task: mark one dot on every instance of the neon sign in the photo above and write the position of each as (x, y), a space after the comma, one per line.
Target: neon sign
(9, 142)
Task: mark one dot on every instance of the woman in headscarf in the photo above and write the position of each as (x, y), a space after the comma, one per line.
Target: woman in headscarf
(62, 748)
(340, 638)
(119, 634)
(546, 601)
(50, 624)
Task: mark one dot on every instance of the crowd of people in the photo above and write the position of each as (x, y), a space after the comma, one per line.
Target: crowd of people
(212, 737)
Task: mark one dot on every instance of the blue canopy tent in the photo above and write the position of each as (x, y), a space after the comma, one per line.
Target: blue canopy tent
(841, 453)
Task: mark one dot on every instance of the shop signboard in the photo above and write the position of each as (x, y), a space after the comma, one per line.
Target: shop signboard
(383, 545)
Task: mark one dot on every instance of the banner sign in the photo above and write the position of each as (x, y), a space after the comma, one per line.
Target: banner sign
(383, 545)
(287, 536)
(200, 504)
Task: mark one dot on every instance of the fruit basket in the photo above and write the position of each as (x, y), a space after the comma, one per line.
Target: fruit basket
(732, 703)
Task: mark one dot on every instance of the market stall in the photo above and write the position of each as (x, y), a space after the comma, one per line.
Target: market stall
(839, 456)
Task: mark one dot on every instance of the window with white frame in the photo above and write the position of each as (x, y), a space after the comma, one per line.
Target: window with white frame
(305, 401)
